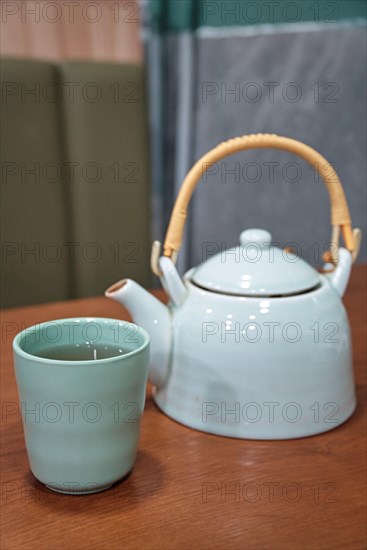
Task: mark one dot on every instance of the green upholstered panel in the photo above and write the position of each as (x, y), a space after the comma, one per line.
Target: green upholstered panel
(32, 203)
(106, 135)
(86, 212)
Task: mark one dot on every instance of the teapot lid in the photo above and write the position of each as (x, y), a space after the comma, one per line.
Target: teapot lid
(255, 267)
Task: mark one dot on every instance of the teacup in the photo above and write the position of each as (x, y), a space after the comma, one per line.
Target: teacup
(81, 385)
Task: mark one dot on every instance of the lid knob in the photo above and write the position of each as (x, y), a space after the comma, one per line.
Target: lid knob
(256, 236)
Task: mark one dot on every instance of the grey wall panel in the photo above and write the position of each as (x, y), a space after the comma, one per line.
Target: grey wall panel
(327, 67)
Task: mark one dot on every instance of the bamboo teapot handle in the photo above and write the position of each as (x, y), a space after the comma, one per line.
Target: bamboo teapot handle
(340, 216)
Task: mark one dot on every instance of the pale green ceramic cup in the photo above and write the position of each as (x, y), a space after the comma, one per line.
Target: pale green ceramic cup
(81, 418)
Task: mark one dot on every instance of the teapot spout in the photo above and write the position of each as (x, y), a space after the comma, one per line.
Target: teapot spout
(154, 317)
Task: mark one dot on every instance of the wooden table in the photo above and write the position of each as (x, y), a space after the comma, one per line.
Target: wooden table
(189, 489)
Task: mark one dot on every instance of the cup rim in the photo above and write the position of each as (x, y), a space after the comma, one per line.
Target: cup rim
(87, 362)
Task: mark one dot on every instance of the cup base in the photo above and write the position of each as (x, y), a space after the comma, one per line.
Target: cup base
(76, 492)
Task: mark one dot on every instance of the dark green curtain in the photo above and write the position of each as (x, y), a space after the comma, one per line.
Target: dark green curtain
(181, 15)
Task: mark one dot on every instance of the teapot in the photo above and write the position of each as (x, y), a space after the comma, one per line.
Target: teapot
(254, 342)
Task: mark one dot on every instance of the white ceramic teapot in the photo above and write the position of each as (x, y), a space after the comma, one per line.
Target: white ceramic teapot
(254, 343)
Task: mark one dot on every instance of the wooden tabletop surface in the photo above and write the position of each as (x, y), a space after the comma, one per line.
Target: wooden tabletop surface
(190, 490)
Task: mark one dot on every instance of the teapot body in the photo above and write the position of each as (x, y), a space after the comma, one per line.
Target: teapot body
(259, 367)
(255, 343)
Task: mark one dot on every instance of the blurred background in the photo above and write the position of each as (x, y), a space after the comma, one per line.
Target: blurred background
(106, 105)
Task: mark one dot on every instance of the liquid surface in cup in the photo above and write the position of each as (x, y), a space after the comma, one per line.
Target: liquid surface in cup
(81, 352)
